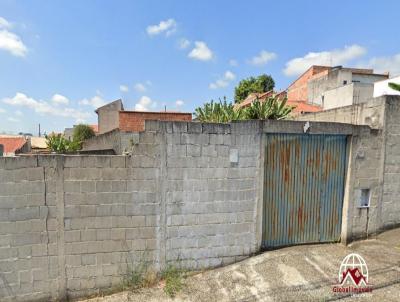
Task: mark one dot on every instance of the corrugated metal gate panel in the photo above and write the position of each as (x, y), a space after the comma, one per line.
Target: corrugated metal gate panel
(304, 187)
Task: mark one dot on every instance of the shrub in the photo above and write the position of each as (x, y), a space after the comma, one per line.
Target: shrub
(56, 142)
(82, 132)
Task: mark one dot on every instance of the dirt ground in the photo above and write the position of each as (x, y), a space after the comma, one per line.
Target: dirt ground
(298, 273)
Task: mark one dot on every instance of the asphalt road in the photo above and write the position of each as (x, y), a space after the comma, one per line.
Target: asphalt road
(298, 273)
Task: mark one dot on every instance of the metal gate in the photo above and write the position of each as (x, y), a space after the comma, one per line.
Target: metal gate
(303, 189)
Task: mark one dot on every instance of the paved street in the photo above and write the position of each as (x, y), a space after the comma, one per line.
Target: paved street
(299, 273)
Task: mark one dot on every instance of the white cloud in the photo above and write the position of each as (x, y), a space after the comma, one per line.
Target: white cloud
(183, 43)
(333, 57)
(167, 26)
(223, 81)
(4, 23)
(123, 88)
(59, 99)
(229, 75)
(179, 103)
(9, 41)
(140, 87)
(233, 63)
(95, 102)
(201, 52)
(12, 43)
(13, 119)
(2, 110)
(263, 58)
(384, 64)
(145, 103)
(18, 113)
(42, 107)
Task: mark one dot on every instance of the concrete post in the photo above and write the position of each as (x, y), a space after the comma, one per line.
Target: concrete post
(347, 198)
(62, 282)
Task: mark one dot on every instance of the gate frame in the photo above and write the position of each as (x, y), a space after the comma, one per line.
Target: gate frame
(297, 127)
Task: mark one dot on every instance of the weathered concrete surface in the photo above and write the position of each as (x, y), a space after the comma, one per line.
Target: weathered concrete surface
(299, 273)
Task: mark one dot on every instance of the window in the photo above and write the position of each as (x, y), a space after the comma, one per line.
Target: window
(344, 82)
(364, 198)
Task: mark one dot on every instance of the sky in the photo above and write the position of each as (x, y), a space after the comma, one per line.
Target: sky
(60, 60)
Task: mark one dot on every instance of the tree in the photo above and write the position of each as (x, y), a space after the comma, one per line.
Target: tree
(260, 84)
(82, 132)
(59, 144)
(394, 86)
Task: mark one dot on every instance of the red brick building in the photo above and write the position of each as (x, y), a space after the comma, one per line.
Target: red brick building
(300, 106)
(113, 116)
(298, 90)
(134, 120)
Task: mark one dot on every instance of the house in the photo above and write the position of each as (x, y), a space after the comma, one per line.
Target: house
(382, 87)
(113, 116)
(299, 106)
(13, 145)
(118, 128)
(333, 87)
(38, 144)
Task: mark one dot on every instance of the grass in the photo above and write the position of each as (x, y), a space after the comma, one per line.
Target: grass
(141, 276)
(173, 280)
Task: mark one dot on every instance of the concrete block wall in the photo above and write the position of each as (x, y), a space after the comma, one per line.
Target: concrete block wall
(189, 194)
(364, 172)
(370, 113)
(73, 225)
(391, 185)
(28, 232)
(110, 220)
(115, 142)
(211, 202)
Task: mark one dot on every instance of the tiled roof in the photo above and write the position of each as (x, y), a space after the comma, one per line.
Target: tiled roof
(38, 142)
(303, 107)
(12, 144)
(95, 127)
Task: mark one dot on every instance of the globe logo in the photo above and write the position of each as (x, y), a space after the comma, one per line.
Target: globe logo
(353, 271)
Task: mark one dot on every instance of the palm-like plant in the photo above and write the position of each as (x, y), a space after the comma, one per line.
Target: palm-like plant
(218, 112)
(224, 112)
(272, 108)
(394, 86)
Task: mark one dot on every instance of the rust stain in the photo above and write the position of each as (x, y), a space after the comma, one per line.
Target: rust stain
(317, 159)
(300, 217)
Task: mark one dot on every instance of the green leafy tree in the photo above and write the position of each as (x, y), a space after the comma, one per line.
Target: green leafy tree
(59, 144)
(260, 84)
(82, 132)
(394, 86)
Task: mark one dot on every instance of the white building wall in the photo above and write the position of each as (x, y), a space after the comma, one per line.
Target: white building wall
(382, 87)
(350, 94)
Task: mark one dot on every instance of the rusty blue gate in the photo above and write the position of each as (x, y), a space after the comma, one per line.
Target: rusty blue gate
(304, 188)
